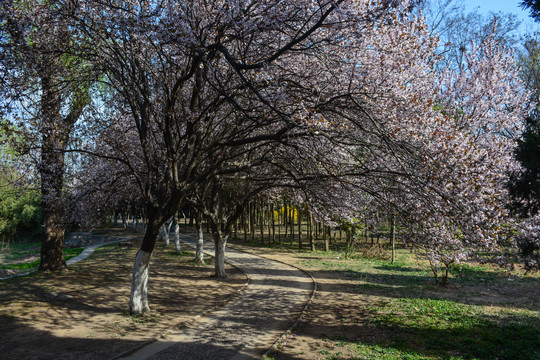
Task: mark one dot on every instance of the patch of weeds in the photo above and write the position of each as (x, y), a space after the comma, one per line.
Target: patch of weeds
(445, 328)
(267, 357)
(144, 320)
(182, 253)
(72, 252)
(385, 352)
(203, 263)
(474, 274)
(124, 310)
(335, 356)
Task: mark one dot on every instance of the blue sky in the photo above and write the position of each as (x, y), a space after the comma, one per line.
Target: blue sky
(507, 6)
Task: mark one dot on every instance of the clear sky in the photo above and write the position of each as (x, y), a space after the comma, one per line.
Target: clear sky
(507, 6)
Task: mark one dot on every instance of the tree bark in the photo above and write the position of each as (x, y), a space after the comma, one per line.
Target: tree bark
(393, 238)
(261, 217)
(177, 244)
(245, 226)
(164, 233)
(273, 224)
(220, 243)
(310, 232)
(299, 217)
(291, 219)
(55, 134)
(252, 221)
(138, 302)
(199, 251)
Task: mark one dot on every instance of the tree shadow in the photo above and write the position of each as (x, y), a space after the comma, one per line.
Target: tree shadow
(22, 341)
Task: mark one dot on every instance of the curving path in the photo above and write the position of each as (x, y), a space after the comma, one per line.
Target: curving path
(248, 325)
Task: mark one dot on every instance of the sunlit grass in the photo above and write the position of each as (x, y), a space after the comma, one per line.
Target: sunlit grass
(445, 328)
(416, 319)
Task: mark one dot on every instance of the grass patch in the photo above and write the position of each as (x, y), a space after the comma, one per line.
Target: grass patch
(386, 352)
(182, 253)
(485, 312)
(68, 254)
(17, 250)
(446, 329)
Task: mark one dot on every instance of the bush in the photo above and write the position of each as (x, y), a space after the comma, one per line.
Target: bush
(20, 210)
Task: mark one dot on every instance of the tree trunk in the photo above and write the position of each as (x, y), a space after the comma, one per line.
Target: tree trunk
(393, 238)
(285, 218)
(164, 233)
(299, 217)
(199, 252)
(177, 244)
(273, 223)
(326, 238)
(252, 221)
(261, 217)
(310, 232)
(220, 243)
(138, 302)
(244, 224)
(279, 219)
(55, 135)
(291, 219)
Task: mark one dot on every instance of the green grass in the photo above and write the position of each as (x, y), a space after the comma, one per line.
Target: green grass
(68, 254)
(17, 250)
(441, 328)
(415, 319)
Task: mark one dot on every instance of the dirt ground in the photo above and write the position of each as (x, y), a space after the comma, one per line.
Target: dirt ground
(83, 313)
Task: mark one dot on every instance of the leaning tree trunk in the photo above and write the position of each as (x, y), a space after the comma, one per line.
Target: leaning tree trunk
(164, 233)
(138, 302)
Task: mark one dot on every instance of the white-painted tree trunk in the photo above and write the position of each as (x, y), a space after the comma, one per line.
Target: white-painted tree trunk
(177, 245)
(164, 233)
(220, 241)
(138, 302)
(199, 254)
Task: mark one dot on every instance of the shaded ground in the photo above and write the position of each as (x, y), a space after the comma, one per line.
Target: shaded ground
(82, 314)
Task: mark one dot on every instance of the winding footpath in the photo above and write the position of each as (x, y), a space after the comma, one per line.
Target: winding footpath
(248, 325)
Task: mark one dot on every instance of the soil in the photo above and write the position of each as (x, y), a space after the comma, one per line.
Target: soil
(83, 313)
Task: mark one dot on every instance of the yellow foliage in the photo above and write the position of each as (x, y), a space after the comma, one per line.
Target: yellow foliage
(285, 210)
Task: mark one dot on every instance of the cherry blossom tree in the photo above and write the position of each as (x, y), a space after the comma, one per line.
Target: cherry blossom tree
(184, 71)
(46, 90)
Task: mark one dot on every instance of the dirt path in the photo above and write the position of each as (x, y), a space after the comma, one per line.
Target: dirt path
(247, 326)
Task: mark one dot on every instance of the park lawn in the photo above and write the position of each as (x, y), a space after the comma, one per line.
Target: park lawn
(368, 308)
(23, 257)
